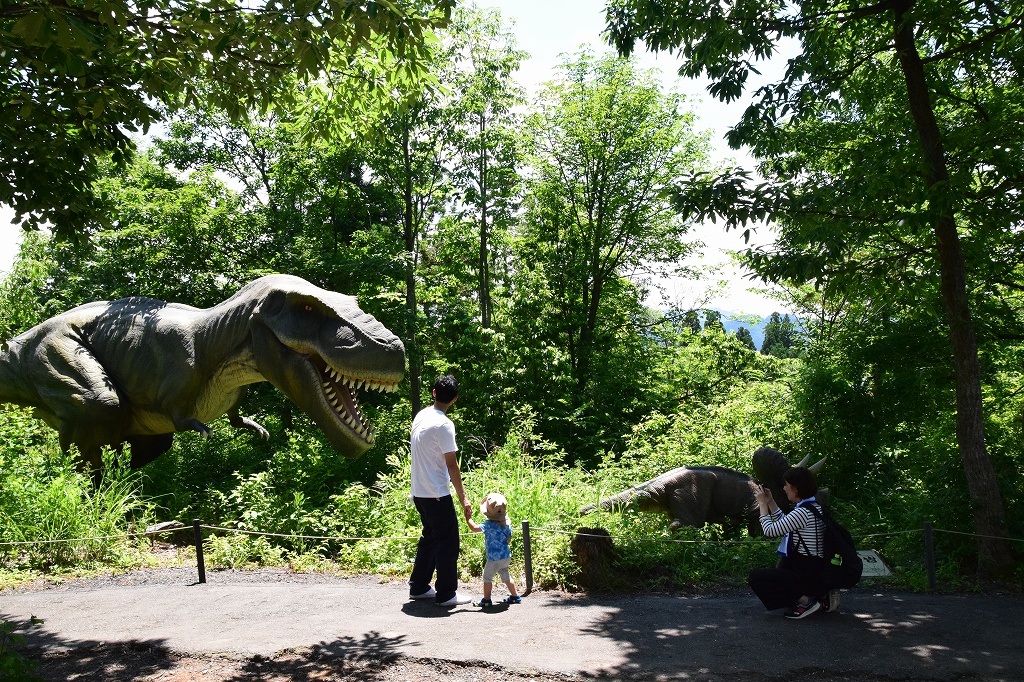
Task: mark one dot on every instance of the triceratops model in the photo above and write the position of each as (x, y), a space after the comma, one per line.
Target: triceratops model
(694, 496)
(136, 370)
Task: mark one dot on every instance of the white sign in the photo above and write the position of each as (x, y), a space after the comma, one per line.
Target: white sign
(874, 567)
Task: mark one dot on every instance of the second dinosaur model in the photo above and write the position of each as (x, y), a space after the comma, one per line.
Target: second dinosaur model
(695, 496)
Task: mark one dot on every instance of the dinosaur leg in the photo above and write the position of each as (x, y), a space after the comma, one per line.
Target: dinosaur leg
(88, 458)
(79, 398)
(147, 448)
(686, 509)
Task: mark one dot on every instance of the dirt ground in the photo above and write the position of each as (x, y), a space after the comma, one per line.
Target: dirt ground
(158, 624)
(121, 664)
(115, 662)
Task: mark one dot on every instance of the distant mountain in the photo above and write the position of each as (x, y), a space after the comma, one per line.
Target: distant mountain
(754, 324)
(756, 329)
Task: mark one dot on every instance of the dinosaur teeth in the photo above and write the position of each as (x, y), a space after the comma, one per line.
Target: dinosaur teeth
(348, 409)
(356, 384)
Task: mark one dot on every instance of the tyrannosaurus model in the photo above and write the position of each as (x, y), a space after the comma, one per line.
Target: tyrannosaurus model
(136, 370)
(694, 496)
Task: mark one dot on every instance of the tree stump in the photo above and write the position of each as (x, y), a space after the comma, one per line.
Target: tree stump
(595, 555)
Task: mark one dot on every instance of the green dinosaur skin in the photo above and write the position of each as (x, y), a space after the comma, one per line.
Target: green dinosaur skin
(136, 370)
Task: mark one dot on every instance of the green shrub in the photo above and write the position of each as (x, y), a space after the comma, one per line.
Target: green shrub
(241, 551)
(46, 502)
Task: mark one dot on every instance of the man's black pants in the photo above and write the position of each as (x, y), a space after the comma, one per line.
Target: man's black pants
(438, 548)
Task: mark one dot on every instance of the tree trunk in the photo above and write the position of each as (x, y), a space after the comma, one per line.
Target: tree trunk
(411, 347)
(994, 555)
(484, 259)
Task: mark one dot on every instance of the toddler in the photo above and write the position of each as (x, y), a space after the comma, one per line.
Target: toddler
(497, 536)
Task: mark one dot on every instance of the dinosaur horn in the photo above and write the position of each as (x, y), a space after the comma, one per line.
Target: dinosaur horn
(816, 467)
(803, 462)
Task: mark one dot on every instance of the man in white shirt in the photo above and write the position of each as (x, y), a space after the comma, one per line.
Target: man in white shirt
(434, 465)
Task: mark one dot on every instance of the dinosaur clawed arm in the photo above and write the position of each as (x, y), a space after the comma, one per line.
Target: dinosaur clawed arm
(240, 422)
(194, 425)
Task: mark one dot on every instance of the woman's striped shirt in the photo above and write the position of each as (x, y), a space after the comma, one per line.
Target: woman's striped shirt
(806, 530)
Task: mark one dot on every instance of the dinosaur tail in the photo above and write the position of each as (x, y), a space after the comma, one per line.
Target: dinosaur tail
(623, 499)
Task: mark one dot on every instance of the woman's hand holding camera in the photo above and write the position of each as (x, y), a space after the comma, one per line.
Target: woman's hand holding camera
(762, 495)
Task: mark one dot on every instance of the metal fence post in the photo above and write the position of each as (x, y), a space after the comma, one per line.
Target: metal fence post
(527, 557)
(929, 555)
(200, 562)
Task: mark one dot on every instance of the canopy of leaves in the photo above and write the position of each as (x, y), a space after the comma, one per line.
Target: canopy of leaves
(890, 151)
(837, 138)
(607, 147)
(81, 77)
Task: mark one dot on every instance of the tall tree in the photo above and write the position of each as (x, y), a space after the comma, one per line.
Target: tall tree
(779, 337)
(691, 319)
(451, 151)
(917, 96)
(311, 206)
(80, 76)
(713, 321)
(486, 174)
(744, 337)
(607, 146)
(413, 152)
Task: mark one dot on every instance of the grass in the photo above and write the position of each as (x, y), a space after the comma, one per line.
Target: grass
(44, 498)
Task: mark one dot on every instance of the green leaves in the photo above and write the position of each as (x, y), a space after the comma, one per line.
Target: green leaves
(78, 74)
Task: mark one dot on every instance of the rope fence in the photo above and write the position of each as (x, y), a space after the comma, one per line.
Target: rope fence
(197, 532)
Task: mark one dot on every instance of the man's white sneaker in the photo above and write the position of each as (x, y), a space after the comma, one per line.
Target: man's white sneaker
(455, 601)
(429, 594)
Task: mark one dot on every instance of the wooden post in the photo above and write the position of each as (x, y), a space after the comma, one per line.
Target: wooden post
(200, 562)
(527, 557)
(929, 555)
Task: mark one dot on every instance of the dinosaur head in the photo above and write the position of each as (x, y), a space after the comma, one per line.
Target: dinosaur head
(769, 465)
(319, 349)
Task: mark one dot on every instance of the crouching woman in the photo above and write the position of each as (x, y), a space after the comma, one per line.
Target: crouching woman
(796, 582)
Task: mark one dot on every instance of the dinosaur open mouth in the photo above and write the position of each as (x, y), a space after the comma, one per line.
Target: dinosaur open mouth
(342, 394)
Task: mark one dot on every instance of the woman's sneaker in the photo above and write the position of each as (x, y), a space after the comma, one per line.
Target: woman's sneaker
(831, 601)
(802, 610)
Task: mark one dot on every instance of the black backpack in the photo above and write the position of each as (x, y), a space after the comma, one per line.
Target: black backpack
(843, 566)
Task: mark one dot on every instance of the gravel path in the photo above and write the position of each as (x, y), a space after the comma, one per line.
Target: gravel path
(276, 625)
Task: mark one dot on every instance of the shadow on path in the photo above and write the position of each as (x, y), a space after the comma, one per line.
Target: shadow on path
(56, 658)
(872, 636)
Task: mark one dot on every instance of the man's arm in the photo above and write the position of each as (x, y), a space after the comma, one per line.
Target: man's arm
(451, 460)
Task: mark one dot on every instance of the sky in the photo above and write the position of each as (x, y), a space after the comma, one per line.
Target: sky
(547, 29)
